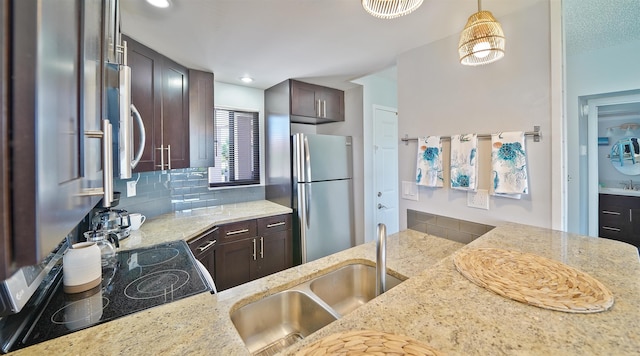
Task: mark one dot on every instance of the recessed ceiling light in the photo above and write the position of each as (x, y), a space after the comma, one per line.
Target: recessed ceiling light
(246, 79)
(159, 3)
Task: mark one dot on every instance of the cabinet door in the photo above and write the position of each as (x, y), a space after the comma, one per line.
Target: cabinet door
(276, 239)
(204, 249)
(275, 252)
(235, 263)
(175, 114)
(145, 95)
(332, 104)
(5, 204)
(48, 165)
(303, 99)
(634, 222)
(201, 125)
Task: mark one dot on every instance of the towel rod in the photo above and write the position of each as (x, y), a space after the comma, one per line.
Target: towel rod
(536, 133)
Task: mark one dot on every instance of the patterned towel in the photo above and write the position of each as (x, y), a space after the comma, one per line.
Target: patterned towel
(429, 167)
(464, 167)
(509, 164)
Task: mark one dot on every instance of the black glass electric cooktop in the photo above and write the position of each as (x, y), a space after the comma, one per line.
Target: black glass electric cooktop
(143, 278)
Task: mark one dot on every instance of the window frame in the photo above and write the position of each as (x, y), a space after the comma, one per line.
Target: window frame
(256, 172)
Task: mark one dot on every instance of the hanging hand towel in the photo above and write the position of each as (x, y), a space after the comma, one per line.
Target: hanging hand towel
(429, 167)
(509, 164)
(464, 167)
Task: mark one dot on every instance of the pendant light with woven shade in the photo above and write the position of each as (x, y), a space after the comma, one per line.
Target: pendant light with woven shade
(389, 9)
(482, 40)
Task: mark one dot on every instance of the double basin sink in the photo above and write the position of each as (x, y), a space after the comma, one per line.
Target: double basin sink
(269, 325)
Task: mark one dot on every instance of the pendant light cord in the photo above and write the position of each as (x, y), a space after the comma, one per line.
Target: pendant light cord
(479, 5)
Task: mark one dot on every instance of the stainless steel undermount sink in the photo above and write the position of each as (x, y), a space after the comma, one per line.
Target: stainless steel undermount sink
(349, 287)
(275, 322)
(269, 325)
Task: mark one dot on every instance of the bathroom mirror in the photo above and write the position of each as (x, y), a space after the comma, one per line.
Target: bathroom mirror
(625, 156)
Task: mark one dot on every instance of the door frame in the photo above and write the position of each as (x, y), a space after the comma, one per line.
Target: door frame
(375, 108)
(590, 124)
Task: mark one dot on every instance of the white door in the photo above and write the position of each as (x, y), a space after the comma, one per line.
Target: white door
(385, 167)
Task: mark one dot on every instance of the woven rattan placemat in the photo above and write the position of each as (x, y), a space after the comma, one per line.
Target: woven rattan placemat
(367, 342)
(533, 280)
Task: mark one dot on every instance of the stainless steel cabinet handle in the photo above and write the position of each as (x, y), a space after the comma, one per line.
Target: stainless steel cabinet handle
(107, 169)
(610, 212)
(230, 233)
(611, 228)
(275, 224)
(107, 166)
(318, 109)
(254, 249)
(169, 156)
(630, 215)
(161, 148)
(261, 247)
(324, 109)
(205, 247)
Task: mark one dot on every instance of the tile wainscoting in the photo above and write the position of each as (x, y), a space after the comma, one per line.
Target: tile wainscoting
(449, 228)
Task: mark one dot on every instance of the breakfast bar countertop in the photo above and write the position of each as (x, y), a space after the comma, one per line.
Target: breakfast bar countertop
(436, 305)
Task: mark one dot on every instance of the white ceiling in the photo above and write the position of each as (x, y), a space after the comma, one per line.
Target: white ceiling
(333, 41)
(322, 41)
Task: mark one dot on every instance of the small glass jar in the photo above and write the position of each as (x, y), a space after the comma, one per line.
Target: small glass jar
(107, 242)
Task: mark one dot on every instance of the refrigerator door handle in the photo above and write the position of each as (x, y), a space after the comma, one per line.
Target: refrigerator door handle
(307, 160)
(307, 205)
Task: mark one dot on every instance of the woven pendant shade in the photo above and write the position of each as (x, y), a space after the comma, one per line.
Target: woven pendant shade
(389, 9)
(482, 40)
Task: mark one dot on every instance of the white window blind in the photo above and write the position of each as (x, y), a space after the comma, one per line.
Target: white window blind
(237, 155)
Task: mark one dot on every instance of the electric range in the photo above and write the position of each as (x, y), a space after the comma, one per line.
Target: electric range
(141, 279)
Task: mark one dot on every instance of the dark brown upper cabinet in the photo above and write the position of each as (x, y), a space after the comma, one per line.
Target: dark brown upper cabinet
(315, 104)
(51, 98)
(201, 125)
(160, 92)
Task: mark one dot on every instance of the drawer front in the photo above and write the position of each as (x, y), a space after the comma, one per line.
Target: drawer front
(616, 232)
(613, 215)
(238, 230)
(204, 242)
(274, 224)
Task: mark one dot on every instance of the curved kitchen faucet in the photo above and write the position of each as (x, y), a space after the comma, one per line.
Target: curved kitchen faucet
(381, 260)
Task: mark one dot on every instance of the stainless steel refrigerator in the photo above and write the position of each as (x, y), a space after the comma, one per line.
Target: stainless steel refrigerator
(323, 194)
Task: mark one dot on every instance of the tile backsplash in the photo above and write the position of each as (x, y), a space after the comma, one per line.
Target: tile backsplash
(161, 192)
(445, 227)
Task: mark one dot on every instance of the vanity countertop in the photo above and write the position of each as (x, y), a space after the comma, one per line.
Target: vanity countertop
(619, 191)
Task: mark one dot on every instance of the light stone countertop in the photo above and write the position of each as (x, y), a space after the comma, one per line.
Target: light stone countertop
(436, 305)
(185, 225)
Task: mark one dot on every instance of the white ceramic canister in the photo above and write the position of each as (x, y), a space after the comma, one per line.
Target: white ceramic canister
(82, 268)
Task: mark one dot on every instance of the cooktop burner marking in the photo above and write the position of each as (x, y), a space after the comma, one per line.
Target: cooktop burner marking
(84, 312)
(157, 284)
(155, 256)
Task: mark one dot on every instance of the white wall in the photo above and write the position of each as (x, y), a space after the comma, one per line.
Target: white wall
(232, 96)
(439, 96)
(376, 90)
(611, 69)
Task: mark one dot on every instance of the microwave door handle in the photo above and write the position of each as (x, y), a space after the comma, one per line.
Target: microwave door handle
(143, 136)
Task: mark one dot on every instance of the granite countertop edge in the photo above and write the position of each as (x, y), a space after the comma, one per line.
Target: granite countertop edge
(435, 305)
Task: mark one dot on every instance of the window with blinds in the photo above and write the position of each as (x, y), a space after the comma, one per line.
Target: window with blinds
(236, 148)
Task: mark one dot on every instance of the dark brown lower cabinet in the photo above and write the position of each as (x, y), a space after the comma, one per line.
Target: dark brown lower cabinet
(241, 259)
(204, 247)
(619, 218)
